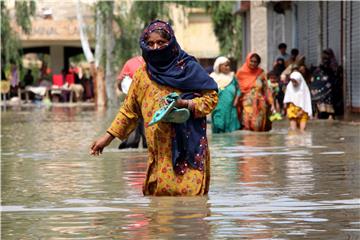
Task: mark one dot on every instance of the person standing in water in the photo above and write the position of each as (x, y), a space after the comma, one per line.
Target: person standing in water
(256, 102)
(124, 82)
(178, 154)
(224, 117)
(298, 102)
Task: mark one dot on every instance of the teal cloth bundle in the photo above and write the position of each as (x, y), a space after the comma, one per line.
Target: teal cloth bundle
(170, 113)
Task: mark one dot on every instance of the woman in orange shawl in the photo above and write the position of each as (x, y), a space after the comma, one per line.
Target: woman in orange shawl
(256, 102)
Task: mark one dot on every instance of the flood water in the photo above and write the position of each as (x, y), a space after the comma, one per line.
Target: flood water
(274, 185)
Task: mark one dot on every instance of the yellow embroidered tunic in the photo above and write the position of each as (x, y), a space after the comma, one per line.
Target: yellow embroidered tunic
(144, 99)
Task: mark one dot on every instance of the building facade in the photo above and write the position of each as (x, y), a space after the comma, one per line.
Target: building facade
(310, 26)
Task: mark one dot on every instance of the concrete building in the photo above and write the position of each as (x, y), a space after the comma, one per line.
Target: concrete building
(310, 26)
(55, 31)
(194, 31)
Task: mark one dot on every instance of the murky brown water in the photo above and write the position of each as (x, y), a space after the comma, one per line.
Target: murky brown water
(264, 185)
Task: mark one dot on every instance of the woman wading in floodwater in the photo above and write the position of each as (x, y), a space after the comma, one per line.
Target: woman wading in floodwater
(178, 154)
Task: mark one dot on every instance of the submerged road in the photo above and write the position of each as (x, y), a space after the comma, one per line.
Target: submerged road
(275, 185)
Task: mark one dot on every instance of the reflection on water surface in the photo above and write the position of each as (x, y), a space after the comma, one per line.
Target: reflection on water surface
(275, 185)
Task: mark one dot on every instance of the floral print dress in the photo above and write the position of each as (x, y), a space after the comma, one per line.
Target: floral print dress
(256, 107)
(144, 99)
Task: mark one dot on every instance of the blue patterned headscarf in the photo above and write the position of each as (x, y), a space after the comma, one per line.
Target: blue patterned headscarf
(171, 66)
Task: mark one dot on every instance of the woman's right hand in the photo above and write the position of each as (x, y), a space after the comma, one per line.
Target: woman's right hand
(98, 146)
(236, 101)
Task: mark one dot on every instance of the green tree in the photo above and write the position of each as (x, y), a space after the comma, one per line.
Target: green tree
(23, 11)
(131, 22)
(10, 43)
(227, 28)
(146, 11)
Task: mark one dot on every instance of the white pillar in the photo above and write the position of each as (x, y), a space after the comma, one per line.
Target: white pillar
(258, 29)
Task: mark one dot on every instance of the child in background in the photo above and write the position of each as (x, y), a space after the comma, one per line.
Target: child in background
(273, 83)
(298, 101)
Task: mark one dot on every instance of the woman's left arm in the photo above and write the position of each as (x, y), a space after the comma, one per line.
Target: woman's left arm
(268, 93)
(203, 105)
(237, 93)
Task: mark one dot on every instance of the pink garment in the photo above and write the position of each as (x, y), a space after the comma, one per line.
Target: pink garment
(130, 67)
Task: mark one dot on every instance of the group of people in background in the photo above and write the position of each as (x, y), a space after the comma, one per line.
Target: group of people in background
(324, 81)
(245, 101)
(249, 98)
(37, 81)
(82, 84)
